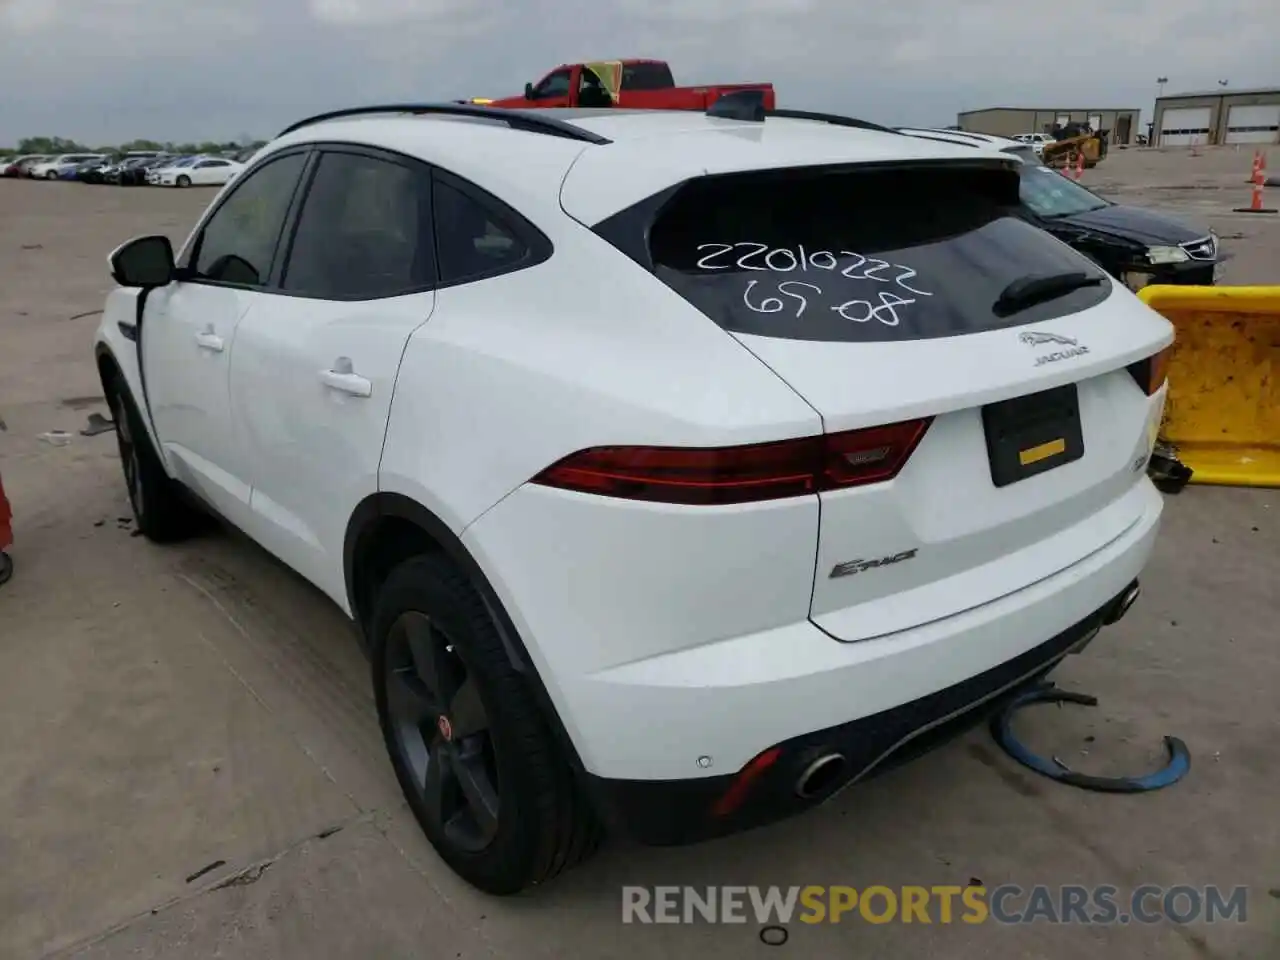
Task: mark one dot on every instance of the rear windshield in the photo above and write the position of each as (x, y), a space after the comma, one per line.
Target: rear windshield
(873, 254)
(646, 76)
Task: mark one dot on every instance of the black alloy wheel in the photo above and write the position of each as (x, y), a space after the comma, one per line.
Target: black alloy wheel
(440, 730)
(129, 456)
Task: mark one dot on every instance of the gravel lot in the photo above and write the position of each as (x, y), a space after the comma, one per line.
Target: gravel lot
(168, 709)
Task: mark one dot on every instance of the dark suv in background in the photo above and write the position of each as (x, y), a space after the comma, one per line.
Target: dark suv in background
(1136, 246)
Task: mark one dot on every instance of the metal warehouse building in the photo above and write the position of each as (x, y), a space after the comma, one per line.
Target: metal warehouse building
(1218, 116)
(1011, 121)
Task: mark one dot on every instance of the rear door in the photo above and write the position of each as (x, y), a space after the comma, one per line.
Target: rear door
(316, 359)
(1005, 426)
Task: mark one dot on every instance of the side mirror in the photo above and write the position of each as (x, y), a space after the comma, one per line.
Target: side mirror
(528, 92)
(144, 262)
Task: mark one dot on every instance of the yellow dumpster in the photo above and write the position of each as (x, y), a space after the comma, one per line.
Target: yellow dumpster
(1222, 415)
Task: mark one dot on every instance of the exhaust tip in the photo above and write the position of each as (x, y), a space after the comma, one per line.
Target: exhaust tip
(1122, 605)
(821, 776)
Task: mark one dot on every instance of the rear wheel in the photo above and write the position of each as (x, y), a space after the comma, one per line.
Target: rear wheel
(474, 756)
(162, 512)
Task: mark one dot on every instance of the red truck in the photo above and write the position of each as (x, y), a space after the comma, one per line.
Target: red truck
(629, 84)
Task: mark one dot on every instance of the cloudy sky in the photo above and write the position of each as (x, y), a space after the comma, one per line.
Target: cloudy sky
(110, 70)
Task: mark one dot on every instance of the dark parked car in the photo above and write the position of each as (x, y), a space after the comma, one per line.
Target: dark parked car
(1134, 245)
(136, 175)
(95, 171)
(122, 172)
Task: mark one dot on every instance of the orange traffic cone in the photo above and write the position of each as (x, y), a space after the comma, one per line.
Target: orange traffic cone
(1080, 165)
(1255, 203)
(1259, 163)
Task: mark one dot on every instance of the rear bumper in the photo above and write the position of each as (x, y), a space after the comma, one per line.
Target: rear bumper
(672, 812)
(804, 695)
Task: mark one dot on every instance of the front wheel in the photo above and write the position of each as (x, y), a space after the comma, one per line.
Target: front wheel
(51, 175)
(184, 181)
(474, 755)
(162, 512)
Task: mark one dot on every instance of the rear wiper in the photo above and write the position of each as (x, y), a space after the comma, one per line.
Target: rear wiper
(1037, 288)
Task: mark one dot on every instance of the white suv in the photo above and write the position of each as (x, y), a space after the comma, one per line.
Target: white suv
(678, 470)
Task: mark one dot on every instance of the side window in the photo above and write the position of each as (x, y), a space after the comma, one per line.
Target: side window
(238, 242)
(470, 241)
(365, 231)
(553, 85)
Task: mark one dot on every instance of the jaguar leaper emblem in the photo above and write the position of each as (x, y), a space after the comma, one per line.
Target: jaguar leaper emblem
(1036, 338)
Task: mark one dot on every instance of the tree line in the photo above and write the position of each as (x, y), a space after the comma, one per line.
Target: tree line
(58, 145)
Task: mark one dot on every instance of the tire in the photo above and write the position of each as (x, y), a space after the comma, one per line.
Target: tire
(51, 175)
(497, 737)
(162, 511)
(183, 181)
(6, 568)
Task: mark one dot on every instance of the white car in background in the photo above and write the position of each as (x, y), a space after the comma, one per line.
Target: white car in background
(676, 470)
(52, 169)
(1037, 140)
(200, 172)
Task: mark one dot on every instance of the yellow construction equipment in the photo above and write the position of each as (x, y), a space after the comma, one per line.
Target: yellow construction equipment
(1060, 153)
(1222, 415)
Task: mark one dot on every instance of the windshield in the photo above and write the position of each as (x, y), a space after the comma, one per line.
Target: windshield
(1050, 194)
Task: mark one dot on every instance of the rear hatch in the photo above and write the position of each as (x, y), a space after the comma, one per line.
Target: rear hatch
(1012, 380)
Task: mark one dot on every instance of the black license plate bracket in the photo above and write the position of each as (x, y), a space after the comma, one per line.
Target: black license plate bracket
(1029, 435)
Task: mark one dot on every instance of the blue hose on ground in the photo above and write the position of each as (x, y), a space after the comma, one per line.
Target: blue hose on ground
(1001, 729)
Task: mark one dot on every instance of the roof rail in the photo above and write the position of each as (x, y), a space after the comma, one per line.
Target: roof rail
(528, 121)
(921, 134)
(832, 118)
(749, 105)
(965, 134)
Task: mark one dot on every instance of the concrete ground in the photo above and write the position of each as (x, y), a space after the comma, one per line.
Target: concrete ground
(190, 764)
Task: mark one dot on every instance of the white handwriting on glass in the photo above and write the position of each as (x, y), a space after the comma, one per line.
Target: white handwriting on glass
(859, 311)
(758, 256)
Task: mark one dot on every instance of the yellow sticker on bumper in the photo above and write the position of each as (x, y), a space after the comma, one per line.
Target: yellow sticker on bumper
(1042, 452)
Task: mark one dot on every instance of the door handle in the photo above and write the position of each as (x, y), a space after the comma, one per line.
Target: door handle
(342, 379)
(208, 340)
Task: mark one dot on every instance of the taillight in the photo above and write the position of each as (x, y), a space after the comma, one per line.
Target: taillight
(1152, 372)
(724, 475)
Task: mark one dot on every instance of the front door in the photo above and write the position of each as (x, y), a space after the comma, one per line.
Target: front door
(316, 359)
(190, 327)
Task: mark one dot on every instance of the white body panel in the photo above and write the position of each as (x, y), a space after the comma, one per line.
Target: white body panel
(728, 696)
(623, 381)
(293, 420)
(187, 343)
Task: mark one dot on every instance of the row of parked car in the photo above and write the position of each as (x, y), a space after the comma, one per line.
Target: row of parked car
(138, 168)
